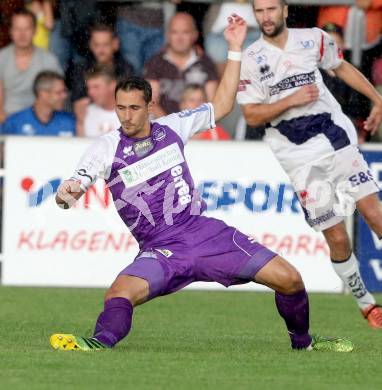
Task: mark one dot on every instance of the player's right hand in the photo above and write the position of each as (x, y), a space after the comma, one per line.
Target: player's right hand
(305, 95)
(374, 119)
(68, 193)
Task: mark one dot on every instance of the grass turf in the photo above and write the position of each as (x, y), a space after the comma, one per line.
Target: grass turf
(189, 340)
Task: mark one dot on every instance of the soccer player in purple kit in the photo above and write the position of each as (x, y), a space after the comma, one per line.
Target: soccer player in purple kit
(144, 166)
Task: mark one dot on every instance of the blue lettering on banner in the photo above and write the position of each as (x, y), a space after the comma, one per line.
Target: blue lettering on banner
(368, 245)
(295, 81)
(257, 197)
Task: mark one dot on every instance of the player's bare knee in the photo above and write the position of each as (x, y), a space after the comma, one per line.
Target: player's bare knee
(293, 282)
(129, 287)
(289, 280)
(338, 241)
(132, 296)
(372, 216)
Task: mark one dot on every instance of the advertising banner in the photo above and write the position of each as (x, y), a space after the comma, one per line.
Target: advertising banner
(88, 245)
(368, 246)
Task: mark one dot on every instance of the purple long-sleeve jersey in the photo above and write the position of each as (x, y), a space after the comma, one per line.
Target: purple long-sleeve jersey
(149, 178)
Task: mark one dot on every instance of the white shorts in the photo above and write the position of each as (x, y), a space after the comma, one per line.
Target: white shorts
(329, 188)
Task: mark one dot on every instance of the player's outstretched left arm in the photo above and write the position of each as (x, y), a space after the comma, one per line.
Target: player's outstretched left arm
(224, 99)
(355, 79)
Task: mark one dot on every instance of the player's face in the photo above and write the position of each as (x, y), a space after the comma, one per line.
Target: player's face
(103, 46)
(133, 113)
(100, 90)
(56, 95)
(271, 16)
(181, 35)
(22, 31)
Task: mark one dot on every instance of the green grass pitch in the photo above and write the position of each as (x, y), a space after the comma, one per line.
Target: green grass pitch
(189, 340)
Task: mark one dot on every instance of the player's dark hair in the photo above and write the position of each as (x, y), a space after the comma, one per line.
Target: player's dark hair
(100, 71)
(44, 80)
(136, 83)
(25, 12)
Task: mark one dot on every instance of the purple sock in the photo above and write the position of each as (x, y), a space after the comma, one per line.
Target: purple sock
(295, 311)
(114, 322)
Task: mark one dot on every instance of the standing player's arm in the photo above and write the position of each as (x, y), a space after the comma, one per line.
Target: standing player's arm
(224, 99)
(356, 80)
(68, 193)
(158, 111)
(211, 87)
(259, 114)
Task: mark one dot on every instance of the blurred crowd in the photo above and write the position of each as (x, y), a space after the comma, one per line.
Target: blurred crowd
(60, 60)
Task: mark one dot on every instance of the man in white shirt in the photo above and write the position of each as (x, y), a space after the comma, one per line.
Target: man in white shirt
(100, 115)
(316, 144)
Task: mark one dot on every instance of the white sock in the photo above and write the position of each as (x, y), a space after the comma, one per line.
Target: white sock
(349, 273)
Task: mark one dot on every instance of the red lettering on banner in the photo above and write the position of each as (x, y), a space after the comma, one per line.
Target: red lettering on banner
(269, 240)
(302, 244)
(94, 241)
(110, 239)
(103, 200)
(24, 239)
(40, 242)
(130, 242)
(60, 239)
(321, 246)
(78, 241)
(285, 246)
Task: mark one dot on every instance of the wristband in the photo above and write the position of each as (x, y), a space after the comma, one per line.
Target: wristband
(234, 55)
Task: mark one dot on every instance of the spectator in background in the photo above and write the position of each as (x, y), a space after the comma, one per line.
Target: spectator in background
(65, 41)
(178, 65)
(43, 11)
(344, 16)
(140, 28)
(20, 62)
(7, 9)
(194, 96)
(104, 48)
(76, 19)
(45, 117)
(100, 115)
(215, 23)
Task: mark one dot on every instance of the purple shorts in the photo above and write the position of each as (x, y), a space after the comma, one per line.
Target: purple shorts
(205, 250)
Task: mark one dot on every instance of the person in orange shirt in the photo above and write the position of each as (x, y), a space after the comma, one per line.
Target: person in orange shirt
(340, 15)
(194, 96)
